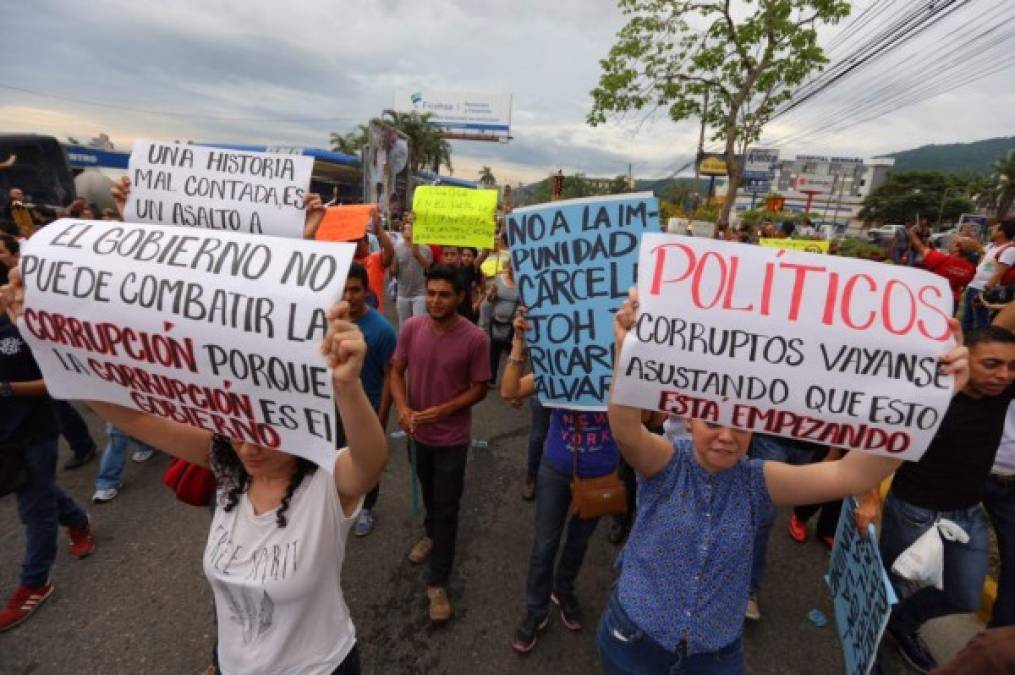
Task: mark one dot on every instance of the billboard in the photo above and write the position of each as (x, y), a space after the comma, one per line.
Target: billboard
(459, 111)
(761, 163)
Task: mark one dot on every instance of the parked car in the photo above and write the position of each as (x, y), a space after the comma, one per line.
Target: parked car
(884, 233)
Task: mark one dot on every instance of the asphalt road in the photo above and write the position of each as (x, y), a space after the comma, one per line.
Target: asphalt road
(140, 604)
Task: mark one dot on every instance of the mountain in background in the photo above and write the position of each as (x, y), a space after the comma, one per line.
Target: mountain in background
(953, 157)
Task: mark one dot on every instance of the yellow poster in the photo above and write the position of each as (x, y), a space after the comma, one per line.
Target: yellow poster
(805, 245)
(454, 216)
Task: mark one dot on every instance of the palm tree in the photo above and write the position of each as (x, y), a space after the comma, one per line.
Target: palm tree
(427, 147)
(486, 177)
(1004, 178)
(351, 142)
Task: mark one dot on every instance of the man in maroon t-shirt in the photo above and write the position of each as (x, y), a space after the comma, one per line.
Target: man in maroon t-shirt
(447, 361)
(953, 266)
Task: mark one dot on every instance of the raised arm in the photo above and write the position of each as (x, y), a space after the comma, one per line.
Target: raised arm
(314, 215)
(387, 248)
(513, 385)
(182, 441)
(358, 470)
(646, 452)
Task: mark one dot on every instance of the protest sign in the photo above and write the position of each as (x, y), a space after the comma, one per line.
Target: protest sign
(806, 245)
(861, 592)
(574, 261)
(217, 188)
(345, 223)
(213, 329)
(454, 216)
(837, 351)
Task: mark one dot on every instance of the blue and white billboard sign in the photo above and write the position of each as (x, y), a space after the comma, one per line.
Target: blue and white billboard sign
(760, 163)
(458, 111)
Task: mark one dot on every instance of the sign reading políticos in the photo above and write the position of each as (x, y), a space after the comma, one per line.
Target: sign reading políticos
(836, 351)
(218, 188)
(216, 330)
(574, 261)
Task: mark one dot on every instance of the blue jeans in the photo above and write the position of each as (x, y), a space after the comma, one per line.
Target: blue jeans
(537, 435)
(74, 429)
(553, 505)
(999, 500)
(43, 507)
(771, 449)
(624, 649)
(113, 459)
(974, 315)
(965, 565)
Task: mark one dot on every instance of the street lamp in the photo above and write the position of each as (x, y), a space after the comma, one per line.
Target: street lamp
(940, 211)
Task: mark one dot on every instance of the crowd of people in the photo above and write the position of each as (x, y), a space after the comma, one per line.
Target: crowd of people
(698, 499)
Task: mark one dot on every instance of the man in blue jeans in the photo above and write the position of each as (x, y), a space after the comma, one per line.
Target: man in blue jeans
(114, 457)
(949, 482)
(778, 449)
(28, 437)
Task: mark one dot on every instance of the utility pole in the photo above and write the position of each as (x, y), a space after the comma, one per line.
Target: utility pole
(700, 155)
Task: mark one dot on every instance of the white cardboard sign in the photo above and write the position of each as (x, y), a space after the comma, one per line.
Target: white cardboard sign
(213, 329)
(837, 351)
(218, 188)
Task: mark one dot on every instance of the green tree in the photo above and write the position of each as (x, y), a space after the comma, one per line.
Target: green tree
(1004, 180)
(427, 148)
(486, 177)
(909, 194)
(350, 142)
(746, 65)
(620, 184)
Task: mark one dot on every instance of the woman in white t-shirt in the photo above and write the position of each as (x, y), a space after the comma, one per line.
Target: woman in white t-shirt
(997, 260)
(277, 542)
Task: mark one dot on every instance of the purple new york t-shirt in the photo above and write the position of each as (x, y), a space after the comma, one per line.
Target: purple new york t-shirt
(590, 431)
(439, 368)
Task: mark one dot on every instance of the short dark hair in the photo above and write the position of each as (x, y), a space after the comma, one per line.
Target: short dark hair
(11, 244)
(357, 271)
(989, 334)
(787, 227)
(473, 249)
(445, 273)
(1008, 227)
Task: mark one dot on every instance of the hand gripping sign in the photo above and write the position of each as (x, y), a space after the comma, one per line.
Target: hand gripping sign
(218, 330)
(218, 188)
(832, 350)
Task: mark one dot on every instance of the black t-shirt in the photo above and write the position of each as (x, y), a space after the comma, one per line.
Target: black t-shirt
(468, 275)
(952, 473)
(22, 418)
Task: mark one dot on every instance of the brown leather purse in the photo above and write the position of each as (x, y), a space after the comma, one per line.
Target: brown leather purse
(595, 497)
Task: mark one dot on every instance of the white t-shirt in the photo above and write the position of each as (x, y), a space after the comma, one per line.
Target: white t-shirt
(278, 596)
(988, 265)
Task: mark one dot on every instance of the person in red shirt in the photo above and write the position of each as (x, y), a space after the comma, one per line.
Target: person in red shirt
(953, 266)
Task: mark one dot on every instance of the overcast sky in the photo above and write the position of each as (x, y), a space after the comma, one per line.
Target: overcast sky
(288, 73)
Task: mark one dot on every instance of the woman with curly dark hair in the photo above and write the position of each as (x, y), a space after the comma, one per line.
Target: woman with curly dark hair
(277, 542)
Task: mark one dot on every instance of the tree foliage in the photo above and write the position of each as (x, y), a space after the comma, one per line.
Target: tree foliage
(427, 148)
(925, 193)
(350, 142)
(486, 177)
(671, 53)
(1003, 176)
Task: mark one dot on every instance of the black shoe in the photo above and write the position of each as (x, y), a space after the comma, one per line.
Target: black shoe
(914, 650)
(525, 634)
(76, 462)
(570, 610)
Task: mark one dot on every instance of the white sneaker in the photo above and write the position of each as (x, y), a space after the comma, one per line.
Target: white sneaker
(104, 495)
(142, 455)
(753, 610)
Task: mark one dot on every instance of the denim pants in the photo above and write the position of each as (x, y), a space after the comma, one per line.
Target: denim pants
(769, 448)
(74, 429)
(624, 649)
(999, 500)
(441, 472)
(553, 505)
(965, 565)
(974, 315)
(538, 430)
(113, 459)
(43, 507)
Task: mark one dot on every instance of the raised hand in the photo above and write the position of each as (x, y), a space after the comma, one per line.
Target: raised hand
(343, 345)
(314, 215)
(120, 192)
